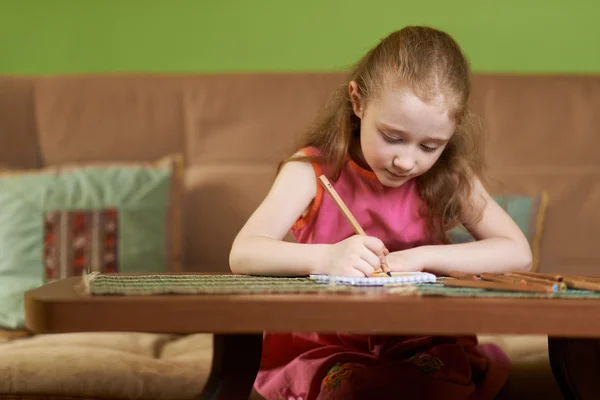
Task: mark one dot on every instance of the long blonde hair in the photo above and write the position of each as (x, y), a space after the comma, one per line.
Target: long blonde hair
(430, 63)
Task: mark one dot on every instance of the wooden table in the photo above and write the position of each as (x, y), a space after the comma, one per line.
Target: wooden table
(239, 320)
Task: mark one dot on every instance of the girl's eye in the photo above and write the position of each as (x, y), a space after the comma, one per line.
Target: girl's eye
(428, 149)
(391, 139)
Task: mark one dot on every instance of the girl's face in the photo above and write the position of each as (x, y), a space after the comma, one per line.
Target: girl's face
(401, 137)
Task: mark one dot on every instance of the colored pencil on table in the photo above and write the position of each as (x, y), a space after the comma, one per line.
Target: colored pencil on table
(557, 286)
(582, 284)
(463, 275)
(583, 278)
(501, 278)
(550, 277)
(523, 280)
(571, 281)
(512, 287)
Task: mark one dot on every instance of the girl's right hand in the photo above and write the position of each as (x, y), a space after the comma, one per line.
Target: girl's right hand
(357, 256)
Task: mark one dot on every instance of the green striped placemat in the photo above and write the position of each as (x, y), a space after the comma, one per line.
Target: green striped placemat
(438, 289)
(99, 284)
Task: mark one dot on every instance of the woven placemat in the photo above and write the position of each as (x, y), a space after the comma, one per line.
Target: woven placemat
(98, 284)
(438, 289)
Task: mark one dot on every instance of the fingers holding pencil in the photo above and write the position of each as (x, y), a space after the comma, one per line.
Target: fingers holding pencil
(348, 215)
(377, 247)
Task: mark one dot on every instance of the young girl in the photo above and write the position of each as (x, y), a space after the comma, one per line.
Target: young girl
(400, 147)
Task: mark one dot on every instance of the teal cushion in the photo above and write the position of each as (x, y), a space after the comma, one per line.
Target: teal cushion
(528, 213)
(37, 246)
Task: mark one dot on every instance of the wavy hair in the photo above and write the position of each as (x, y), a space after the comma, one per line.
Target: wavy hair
(430, 63)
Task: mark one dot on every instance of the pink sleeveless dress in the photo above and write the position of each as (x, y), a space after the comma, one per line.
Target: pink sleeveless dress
(310, 366)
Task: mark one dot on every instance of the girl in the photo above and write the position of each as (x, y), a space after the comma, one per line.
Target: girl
(400, 147)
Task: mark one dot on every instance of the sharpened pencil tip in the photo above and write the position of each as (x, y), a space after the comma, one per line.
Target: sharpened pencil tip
(389, 274)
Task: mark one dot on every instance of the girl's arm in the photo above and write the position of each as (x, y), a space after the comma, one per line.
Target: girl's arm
(259, 247)
(500, 244)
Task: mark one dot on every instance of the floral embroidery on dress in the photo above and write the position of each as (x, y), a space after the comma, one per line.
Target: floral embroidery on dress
(426, 362)
(287, 394)
(335, 375)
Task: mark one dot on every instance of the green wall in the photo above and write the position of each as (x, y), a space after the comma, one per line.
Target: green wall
(71, 36)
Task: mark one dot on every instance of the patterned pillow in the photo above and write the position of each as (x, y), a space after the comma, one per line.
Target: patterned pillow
(62, 221)
(527, 211)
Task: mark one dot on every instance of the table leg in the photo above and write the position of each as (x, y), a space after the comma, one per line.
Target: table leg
(236, 359)
(575, 364)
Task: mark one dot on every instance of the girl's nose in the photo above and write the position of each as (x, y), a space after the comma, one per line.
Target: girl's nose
(404, 163)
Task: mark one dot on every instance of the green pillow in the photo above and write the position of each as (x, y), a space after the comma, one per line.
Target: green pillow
(61, 222)
(528, 213)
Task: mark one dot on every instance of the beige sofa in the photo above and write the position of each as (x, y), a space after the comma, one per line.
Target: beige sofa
(232, 131)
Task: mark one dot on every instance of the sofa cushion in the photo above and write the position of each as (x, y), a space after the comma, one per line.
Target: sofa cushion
(11, 334)
(61, 221)
(106, 366)
(152, 366)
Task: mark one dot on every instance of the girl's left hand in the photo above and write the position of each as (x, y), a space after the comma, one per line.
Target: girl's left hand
(409, 260)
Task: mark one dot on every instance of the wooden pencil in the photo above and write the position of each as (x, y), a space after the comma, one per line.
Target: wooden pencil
(501, 278)
(572, 281)
(582, 284)
(512, 287)
(557, 286)
(532, 282)
(539, 275)
(558, 277)
(346, 212)
(463, 275)
(594, 279)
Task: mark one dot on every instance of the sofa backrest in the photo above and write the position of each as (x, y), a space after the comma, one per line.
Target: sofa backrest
(234, 129)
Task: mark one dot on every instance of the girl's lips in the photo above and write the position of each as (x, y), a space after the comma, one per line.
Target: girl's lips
(397, 175)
